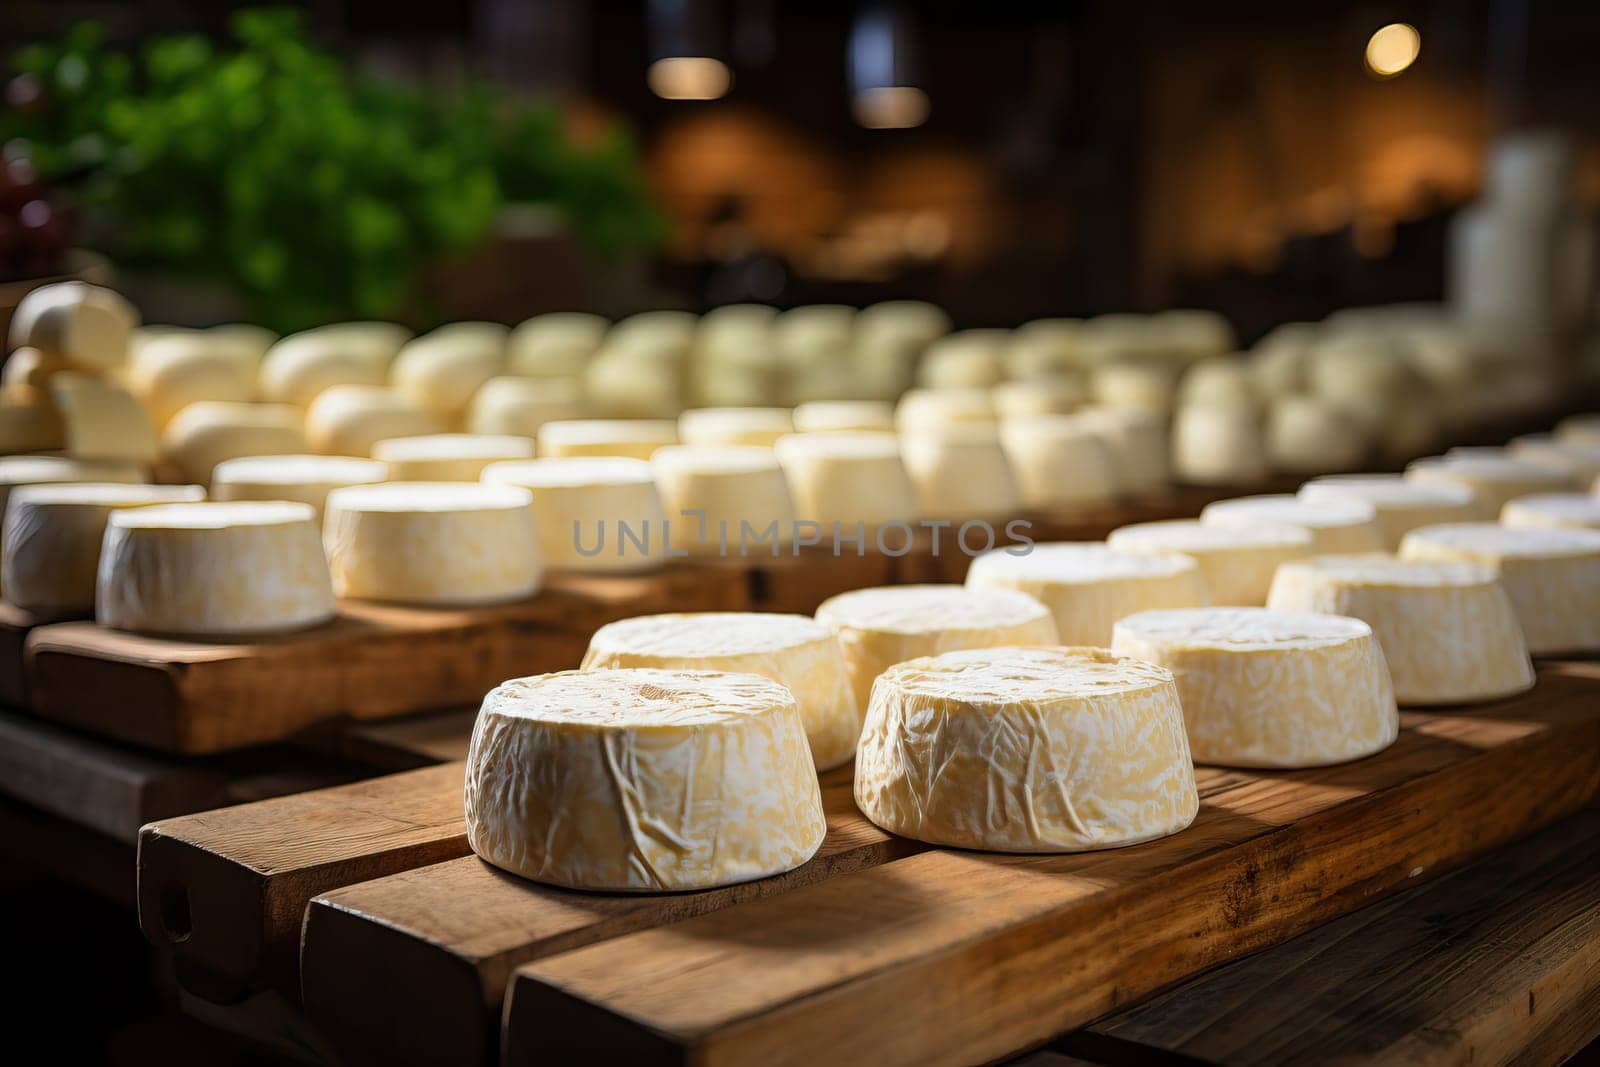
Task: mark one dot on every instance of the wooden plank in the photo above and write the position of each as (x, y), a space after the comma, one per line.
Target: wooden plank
(36, 840)
(1496, 962)
(797, 582)
(373, 661)
(414, 966)
(15, 625)
(401, 744)
(225, 890)
(959, 957)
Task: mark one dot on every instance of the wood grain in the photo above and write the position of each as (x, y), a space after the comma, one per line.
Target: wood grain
(959, 957)
(400, 744)
(226, 890)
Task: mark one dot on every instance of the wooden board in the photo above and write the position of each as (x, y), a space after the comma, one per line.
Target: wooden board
(960, 957)
(1496, 962)
(373, 661)
(413, 967)
(15, 625)
(797, 582)
(401, 744)
(226, 890)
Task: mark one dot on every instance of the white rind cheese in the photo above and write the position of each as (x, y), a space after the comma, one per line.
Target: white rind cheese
(1237, 563)
(632, 438)
(100, 420)
(642, 780)
(1493, 480)
(721, 498)
(1088, 586)
(29, 421)
(86, 324)
(51, 548)
(1040, 396)
(348, 420)
(583, 504)
(210, 432)
(1448, 631)
(1265, 688)
(1337, 527)
(307, 479)
(1552, 576)
(1138, 443)
(172, 373)
(213, 569)
(1401, 505)
(41, 470)
(931, 409)
(1218, 444)
(878, 628)
(1309, 435)
(960, 474)
(520, 406)
(299, 368)
(859, 415)
(448, 457)
(441, 370)
(1580, 459)
(734, 426)
(1026, 750)
(1058, 462)
(1573, 511)
(433, 543)
(1580, 428)
(795, 651)
(554, 345)
(847, 478)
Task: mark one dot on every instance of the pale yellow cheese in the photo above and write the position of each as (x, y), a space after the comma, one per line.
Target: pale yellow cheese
(1138, 444)
(1583, 428)
(1268, 688)
(592, 513)
(1026, 750)
(1237, 563)
(51, 544)
(1578, 511)
(724, 500)
(1401, 505)
(849, 479)
(1492, 479)
(347, 420)
(1045, 348)
(640, 384)
(642, 780)
(1223, 380)
(878, 628)
(1338, 526)
(1038, 396)
(44, 470)
(634, 438)
(440, 371)
(1309, 435)
(734, 426)
(1551, 575)
(171, 373)
(826, 415)
(960, 473)
(554, 345)
(448, 457)
(795, 651)
(1580, 459)
(432, 543)
(307, 479)
(926, 409)
(29, 421)
(100, 420)
(813, 332)
(521, 405)
(1448, 631)
(86, 324)
(965, 359)
(1218, 444)
(1088, 586)
(1135, 386)
(1058, 462)
(213, 569)
(298, 368)
(210, 432)
(30, 367)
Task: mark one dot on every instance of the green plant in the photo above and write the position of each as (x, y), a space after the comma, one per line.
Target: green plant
(318, 194)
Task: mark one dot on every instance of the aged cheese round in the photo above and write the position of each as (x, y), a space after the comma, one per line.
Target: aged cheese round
(1138, 443)
(1551, 575)
(1578, 511)
(1058, 462)
(795, 651)
(634, 438)
(1135, 386)
(307, 479)
(734, 426)
(960, 473)
(1401, 505)
(554, 345)
(76, 321)
(448, 457)
(52, 539)
(1045, 348)
(209, 432)
(1448, 631)
(878, 628)
(212, 569)
(1038, 396)
(29, 421)
(721, 498)
(1338, 526)
(1237, 563)
(925, 409)
(1088, 586)
(1580, 459)
(642, 780)
(43, 470)
(851, 479)
(301, 366)
(441, 370)
(521, 405)
(1218, 380)
(1579, 428)
(432, 543)
(822, 415)
(1026, 750)
(171, 373)
(1309, 435)
(813, 332)
(621, 383)
(1493, 480)
(347, 420)
(965, 359)
(592, 513)
(1218, 444)
(1266, 688)
(100, 420)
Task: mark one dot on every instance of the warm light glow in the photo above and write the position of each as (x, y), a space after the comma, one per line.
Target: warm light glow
(891, 107)
(1393, 49)
(689, 78)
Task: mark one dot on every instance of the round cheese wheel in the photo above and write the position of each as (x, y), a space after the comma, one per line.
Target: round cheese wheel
(1138, 443)
(634, 438)
(1088, 586)
(821, 415)
(448, 457)
(347, 420)
(1266, 688)
(1579, 428)
(301, 366)
(213, 569)
(1400, 505)
(440, 371)
(554, 345)
(76, 321)
(1026, 750)
(1045, 348)
(432, 543)
(1577, 511)
(813, 332)
(926, 409)
(1193, 333)
(210, 432)
(878, 628)
(734, 426)
(42, 470)
(1309, 435)
(642, 780)
(848, 479)
(172, 373)
(1134, 386)
(520, 406)
(1580, 459)
(307, 479)
(1221, 380)
(1038, 396)
(636, 384)
(1058, 462)
(1493, 480)
(910, 323)
(1218, 444)
(1338, 526)
(29, 421)
(964, 360)
(1448, 631)
(592, 513)
(101, 420)
(1237, 563)
(721, 500)
(1551, 575)
(795, 651)
(960, 473)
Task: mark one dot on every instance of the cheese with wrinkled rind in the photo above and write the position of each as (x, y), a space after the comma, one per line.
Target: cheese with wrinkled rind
(1337, 526)
(1237, 563)
(1401, 505)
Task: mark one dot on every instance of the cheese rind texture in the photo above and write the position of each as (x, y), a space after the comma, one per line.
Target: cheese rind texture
(1401, 505)
(1218, 444)
(1058, 462)
(637, 780)
(213, 569)
(1448, 630)
(878, 628)
(1551, 575)
(795, 651)
(448, 457)
(40, 470)
(1572, 511)
(960, 473)
(307, 479)
(1337, 527)
(592, 513)
(1026, 750)
(1088, 587)
(846, 478)
(1265, 688)
(724, 500)
(1237, 563)
(1492, 479)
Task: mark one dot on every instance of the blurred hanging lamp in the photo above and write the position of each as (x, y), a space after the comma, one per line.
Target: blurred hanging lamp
(685, 62)
(883, 70)
(1392, 49)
